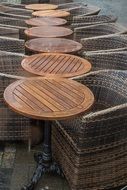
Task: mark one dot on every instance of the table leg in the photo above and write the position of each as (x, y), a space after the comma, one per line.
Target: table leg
(44, 160)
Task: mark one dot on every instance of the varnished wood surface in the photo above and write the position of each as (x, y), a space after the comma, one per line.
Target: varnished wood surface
(49, 98)
(45, 21)
(37, 7)
(53, 45)
(51, 13)
(47, 31)
(56, 64)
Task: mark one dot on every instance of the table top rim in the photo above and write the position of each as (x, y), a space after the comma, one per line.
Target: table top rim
(65, 13)
(28, 31)
(28, 22)
(89, 101)
(62, 39)
(85, 62)
(36, 8)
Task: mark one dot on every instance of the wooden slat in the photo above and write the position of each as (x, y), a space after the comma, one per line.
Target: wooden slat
(45, 21)
(48, 98)
(51, 13)
(37, 7)
(47, 31)
(49, 64)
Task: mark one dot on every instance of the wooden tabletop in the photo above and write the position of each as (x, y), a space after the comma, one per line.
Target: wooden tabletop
(37, 7)
(56, 64)
(45, 21)
(47, 31)
(48, 98)
(51, 13)
(53, 45)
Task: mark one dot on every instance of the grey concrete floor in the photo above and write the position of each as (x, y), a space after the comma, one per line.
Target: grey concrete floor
(115, 7)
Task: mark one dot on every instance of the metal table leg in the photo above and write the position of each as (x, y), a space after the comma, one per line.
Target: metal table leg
(44, 160)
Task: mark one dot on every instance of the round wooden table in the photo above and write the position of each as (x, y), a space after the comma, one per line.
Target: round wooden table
(45, 21)
(37, 7)
(56, 64)
(51, 13)
(47, 32)
(53, 45)
(48, 99)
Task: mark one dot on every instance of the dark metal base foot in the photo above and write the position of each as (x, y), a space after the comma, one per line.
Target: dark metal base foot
(42, 168)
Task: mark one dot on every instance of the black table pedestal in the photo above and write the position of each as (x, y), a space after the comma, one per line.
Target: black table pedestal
(44, 160)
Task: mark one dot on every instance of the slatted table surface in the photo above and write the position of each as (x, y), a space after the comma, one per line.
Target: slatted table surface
(47, 31)
(53, 45)
(49, 98)
(45, 21)
(37, 7)
(56, 64)
(51, 13)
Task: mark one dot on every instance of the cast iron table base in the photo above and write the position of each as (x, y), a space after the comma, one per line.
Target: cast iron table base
(44, 160)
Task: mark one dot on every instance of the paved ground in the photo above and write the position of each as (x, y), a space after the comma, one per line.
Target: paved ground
(17, 166)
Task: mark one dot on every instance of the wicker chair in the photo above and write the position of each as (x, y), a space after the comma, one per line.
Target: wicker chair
(108, 60)
(98, 30)
(12, 125)
(105, 43)
(12, 45)
(19, 6)
(60, 1)
(85, 11)
(12, 31)
(92, 20)
(92, 149)
(12, 22)
(18, 13)
(69, 6)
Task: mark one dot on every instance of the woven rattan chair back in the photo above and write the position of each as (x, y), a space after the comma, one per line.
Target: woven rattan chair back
(108, 60)
(12, 21)
(98, 30)
(14, 12)
(94, 146)
(12, 45)
(12, 125)
(105, 43)
(92, 20)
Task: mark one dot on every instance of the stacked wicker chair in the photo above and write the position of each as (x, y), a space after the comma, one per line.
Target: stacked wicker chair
(92, 20)
(105, 43)
(69, 6)
(116, 60)
(12, 45)
(12, 125)
(14, 12)
(98, 30)
(92, 149)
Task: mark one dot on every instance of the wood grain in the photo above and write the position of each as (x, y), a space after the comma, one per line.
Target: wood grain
(45, 21)
(53, 45)
(48, 98)
(37, 7)
(51, 13)
(56, 64)
(47, 31)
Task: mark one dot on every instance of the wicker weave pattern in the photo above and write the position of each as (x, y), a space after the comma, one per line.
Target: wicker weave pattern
(12, 125)
(92, 20)
(98, 30)
(108, 43)
(85, 11)
(16, 11)
(12, 45)
(19, 6)
(92, 149)
(12, 22)
(108, 60)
